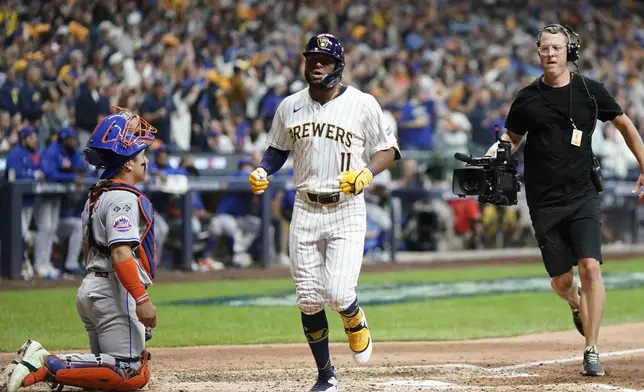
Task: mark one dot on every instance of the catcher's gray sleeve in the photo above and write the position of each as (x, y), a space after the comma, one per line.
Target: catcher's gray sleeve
(122, 218)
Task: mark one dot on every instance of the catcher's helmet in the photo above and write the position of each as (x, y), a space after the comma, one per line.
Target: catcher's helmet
(118, 138)
(331, 46)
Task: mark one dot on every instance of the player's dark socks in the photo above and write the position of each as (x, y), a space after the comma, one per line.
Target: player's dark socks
(316, 330)
(352, 310)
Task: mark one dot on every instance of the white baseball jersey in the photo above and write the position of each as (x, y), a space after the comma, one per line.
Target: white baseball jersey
(326, 241)
(331, 138)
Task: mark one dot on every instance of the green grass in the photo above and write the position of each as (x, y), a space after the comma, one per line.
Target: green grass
(50, 315)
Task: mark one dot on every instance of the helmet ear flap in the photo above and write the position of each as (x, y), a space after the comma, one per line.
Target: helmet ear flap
(94, 158)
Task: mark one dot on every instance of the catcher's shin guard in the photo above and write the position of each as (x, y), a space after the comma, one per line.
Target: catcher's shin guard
(104, 377)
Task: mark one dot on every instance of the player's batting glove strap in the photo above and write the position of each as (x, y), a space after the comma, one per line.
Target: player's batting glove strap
(353, 183)
(258, 180)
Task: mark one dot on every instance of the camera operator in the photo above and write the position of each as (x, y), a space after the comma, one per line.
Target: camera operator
(557, 112)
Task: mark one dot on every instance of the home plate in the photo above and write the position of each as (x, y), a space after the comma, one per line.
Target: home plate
(423, 383)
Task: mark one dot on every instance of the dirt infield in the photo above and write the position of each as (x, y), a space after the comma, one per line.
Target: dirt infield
(543, 362)
(523, 363)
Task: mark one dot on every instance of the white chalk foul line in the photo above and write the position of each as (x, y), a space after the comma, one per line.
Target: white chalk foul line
(565, 360)
(500, 368)
(613, 388)
(424, 383)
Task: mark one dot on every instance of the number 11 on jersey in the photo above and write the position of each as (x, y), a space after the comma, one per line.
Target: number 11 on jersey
(345, 161)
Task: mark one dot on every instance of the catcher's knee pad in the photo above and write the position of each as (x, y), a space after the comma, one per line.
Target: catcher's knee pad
(104, 377)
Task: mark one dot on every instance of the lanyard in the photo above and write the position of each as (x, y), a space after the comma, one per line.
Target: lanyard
(569, 116)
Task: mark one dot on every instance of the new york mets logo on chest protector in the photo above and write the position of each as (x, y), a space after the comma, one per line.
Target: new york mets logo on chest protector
(146, 252)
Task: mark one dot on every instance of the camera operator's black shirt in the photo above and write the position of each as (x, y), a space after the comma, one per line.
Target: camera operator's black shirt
(557, 171)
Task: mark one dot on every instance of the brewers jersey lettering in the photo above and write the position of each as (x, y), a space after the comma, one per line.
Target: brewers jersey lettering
(326, 241)
(331, 138)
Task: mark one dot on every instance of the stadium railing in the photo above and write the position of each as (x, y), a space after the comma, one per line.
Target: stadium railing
(617, 195)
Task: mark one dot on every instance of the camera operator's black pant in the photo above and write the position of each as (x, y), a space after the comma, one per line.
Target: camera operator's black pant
(567, 233)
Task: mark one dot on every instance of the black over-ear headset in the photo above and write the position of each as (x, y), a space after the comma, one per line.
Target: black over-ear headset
(573, 41)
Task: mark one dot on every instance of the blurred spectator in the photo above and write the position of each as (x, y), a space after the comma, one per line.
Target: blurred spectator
(455, 133)
(157, 109)
(379, 217)
(23, 162)
(10, 93)
(8, 136)
(415, 126)
(210, 75)
(70, 230)
(467, 215)
(235, 62)
(217, 140)
(236, 218)
(90, 107)
(181, 124)
(161, 171)
(616, 157)
(61, 162)
(30, 99)
(255, 140)
(201, 221)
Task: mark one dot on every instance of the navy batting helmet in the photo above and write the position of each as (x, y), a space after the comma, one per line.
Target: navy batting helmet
(331, 46)
(117, 139)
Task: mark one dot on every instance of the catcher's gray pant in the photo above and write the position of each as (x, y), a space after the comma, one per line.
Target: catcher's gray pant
(47, 214)
(161, 231)
(243, 230)
(72, 228)
(109, 315)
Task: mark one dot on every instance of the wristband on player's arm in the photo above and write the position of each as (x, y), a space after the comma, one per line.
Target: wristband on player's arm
(128, 275)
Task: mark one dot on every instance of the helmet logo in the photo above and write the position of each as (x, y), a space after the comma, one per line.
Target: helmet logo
(323, 42)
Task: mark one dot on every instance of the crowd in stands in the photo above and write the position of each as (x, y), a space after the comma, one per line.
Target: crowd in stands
(209, 76)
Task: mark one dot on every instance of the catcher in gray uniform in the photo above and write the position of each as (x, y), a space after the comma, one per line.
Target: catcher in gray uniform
(120, 259)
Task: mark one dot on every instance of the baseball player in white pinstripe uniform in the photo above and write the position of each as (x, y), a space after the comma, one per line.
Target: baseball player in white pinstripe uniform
(328, 126)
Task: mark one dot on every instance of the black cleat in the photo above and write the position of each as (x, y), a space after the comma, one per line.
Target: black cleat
(576, 316)
(592, 365)
(326, 382)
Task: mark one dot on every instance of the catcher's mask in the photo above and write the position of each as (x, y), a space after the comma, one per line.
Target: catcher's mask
(117, 139)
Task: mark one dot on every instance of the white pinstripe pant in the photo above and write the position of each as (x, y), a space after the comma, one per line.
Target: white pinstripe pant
(326, 245)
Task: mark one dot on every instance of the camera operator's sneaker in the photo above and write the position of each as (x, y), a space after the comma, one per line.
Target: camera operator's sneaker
(576, 316)
(592, 365)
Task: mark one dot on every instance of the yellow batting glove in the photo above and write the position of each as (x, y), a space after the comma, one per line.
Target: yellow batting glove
(353, 183)
(258, 181)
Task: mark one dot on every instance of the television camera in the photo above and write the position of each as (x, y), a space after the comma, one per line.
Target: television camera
(493, 179)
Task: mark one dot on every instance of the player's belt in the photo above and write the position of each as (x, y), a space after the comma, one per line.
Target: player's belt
(99, 274)
(324, 199)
